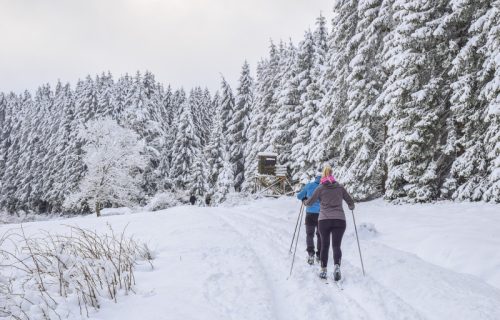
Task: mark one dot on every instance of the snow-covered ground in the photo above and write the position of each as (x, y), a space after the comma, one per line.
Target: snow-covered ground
(432, 261)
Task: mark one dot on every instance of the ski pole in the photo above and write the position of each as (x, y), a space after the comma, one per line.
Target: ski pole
(357, 238)
(296, 241)
(298, 219)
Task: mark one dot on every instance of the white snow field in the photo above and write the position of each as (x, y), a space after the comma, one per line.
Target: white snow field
(432, 261)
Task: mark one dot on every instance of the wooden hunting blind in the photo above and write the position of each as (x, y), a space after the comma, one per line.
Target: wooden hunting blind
(271, 179)
(267, 163)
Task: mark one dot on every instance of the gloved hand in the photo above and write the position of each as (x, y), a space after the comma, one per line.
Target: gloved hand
(304, 199)
(351, 207)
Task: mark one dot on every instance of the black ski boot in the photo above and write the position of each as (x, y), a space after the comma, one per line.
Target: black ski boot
(322, 273)
(310, 258)
(336, 273)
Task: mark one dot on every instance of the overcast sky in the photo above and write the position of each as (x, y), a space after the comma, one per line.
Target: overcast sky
(183, 42)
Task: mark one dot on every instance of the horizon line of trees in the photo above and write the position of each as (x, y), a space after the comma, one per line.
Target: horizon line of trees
(401, 97)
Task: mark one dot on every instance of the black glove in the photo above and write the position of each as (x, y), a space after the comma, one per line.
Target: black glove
(304, 199)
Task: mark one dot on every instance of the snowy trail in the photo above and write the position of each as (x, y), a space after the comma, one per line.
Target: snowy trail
(269, 252)
(398, 282)
(233, 263)
(273, 241)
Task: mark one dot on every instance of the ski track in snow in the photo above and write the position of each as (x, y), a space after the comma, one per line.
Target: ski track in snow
(248, 280)
(398, 285)
(366, 304)
(233, 263)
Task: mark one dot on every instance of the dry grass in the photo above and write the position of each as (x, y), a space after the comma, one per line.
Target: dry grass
(41, 273)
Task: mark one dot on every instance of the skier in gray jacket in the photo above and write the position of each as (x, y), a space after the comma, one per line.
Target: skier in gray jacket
(331, 221)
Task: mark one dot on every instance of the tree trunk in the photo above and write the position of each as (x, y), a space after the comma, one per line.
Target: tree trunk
(98, 209)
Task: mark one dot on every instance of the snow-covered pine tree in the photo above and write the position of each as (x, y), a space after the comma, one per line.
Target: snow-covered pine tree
(238, 124)
(320, 36)
(332, 113)
(207, 114)
(3, 106)
(201, 106)
(266, 84)
(415, 101)
(361, 160)
(186, 146)
(317, 90)
(24, 154)
(12, 135)
(178, 100)
(168, 138)
(72, 142)
(267, 98)
(200, 101)
(172, 102)
(5, 123)
(41, 133)
(5, 118)
(215, 145)
(231, 127)
(283, 123)
(104, 88)
(154, 135)
(85, 100)
(68, 167)
(225, 179)
(51, 174)
(199, 172)
(195, 99)
(306, 111)
(11, 180)
(466, 124)
(114, 157)
(119, 95)
(226, 106)
(168, 105)
(490, 94)
(492, 142)
(252, 135)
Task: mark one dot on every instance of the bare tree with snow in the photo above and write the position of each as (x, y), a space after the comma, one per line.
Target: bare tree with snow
(115, 162)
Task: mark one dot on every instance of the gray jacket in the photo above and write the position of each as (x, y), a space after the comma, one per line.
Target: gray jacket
(330, 197)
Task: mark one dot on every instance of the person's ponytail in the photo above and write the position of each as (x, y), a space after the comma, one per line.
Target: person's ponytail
(327, 171)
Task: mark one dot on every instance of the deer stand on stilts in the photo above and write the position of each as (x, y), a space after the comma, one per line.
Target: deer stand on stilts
(271, 179)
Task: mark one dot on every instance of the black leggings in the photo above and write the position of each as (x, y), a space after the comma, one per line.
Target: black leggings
(335, 228)
(311, 229)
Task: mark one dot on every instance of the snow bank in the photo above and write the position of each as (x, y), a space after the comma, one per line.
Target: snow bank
(463, 237)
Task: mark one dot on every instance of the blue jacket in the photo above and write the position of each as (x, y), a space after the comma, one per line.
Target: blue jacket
(307, 191)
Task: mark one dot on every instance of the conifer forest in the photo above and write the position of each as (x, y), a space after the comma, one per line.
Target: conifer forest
(401, 97)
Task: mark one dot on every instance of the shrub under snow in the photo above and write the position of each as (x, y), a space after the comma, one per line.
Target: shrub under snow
(237, 199)
(163, 200)
(55, 276)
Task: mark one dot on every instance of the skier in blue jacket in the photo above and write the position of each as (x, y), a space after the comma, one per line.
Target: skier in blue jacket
(312, 213)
